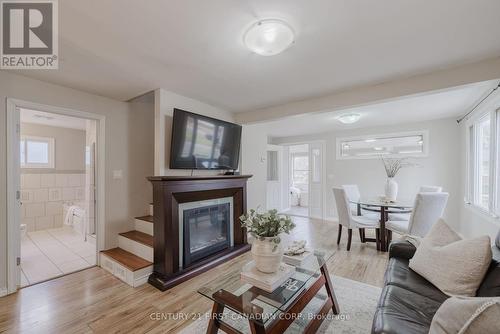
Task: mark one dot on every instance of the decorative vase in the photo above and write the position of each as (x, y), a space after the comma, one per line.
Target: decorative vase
(266, 254)
(391, 189)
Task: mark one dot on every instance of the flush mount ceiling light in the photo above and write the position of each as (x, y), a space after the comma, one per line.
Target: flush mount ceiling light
(349, 118)
(269, 37)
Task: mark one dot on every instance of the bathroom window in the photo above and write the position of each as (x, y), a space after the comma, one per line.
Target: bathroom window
(37, 152)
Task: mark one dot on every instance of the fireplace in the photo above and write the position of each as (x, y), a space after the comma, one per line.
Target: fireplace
(196, 225)
(205, 228)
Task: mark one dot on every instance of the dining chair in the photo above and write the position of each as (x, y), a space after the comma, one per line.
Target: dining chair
(353, 194)
(349, 221)
(422, 189)
(428, 208)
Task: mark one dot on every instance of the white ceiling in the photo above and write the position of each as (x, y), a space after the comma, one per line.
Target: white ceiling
(45, 118)
(434, 105)
(123, 48)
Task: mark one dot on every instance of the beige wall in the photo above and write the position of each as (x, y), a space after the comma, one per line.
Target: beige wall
(165, 102)
(69, 147)
(124, 140)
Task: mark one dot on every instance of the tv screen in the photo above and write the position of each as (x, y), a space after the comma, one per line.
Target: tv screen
(201, 142)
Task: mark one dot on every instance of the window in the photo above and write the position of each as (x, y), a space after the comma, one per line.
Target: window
(412, 144)
(37, 152)
(300, 168)
(482, 162)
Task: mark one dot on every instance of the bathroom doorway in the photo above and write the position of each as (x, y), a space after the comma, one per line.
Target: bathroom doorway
(55, 170)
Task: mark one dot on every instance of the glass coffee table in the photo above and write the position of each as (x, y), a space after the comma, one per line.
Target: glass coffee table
(273, 312)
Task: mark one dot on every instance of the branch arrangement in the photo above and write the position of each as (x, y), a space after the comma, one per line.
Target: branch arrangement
(392, 165)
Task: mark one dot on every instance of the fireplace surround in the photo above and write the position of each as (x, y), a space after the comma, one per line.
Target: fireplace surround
(206, 208)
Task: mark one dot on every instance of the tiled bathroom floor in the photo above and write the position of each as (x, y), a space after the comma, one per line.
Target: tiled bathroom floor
(54, 252)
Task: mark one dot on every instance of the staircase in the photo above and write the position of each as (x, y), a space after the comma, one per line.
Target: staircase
(132, 260)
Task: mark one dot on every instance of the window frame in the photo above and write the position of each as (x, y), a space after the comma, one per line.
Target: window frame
(51, 152)
(472, 171)
(292, 169)
(384, 135)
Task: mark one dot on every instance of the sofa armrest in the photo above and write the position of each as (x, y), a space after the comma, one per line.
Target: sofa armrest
(401, 249)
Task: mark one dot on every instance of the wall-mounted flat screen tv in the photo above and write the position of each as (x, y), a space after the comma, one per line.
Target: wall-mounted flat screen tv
(201, 142)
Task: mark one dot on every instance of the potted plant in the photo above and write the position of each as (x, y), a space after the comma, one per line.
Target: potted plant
(266, 228)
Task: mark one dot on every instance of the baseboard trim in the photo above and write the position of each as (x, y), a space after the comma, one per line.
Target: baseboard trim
(3, 292)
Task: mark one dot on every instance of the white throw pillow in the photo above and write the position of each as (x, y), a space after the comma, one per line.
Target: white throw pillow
(467, 315)
(453, 265)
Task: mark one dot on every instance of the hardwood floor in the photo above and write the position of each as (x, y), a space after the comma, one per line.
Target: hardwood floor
(94, 301)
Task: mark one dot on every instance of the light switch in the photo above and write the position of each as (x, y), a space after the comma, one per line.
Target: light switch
(117, 174)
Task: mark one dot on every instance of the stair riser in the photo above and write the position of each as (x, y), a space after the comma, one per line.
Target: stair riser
(136, 248)
(151, 210)
(143, 226)
(133, 278)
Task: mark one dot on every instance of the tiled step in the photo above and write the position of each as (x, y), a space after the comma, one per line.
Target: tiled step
(138, 243)
(151, 211)
(144, 224)
(128, 267)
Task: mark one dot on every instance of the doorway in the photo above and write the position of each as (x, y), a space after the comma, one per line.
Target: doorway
(55, 175)
(304, 190)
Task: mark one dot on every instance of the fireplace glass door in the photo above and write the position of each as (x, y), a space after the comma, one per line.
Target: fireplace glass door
(206, 231)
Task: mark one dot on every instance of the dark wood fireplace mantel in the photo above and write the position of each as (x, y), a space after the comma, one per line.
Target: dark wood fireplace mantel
(168, 193)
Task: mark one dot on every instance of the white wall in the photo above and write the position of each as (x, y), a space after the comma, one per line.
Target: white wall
(439, 168)
(253, 161)
(165, 102)
(121, 134)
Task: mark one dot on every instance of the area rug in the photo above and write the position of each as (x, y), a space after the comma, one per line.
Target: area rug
(357, 303)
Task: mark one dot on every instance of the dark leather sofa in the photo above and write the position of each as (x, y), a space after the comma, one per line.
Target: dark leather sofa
(408, 301)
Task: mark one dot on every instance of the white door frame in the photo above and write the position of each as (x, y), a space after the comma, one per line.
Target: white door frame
(14, 175)
(323, 169)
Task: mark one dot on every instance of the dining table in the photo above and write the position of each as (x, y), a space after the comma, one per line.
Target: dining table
(384, 208)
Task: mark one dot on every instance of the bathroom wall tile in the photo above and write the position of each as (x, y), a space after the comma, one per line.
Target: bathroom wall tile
(41, 195)
(54, 208)
(80, 193)
(43, 223)
(35, 210)
(76, 180)
(68, 194)
(23, 211)
(61, 180)
(32, 181)
(58, 221)
(48, 180)
(27, 196)
(30, 223)
(55, 194)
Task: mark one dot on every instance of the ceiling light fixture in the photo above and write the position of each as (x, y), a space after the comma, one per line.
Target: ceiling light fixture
(371, 140)
(269, 37)
(349, 118)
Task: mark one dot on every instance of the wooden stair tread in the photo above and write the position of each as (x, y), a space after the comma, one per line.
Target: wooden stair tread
(148, 218)
(140, 237)
(127, 259)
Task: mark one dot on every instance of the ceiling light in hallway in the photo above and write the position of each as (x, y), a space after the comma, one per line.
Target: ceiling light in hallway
(349, 118)
(269, 37)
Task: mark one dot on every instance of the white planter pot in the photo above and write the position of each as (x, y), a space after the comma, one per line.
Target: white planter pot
(391, 189)
(266, 255)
